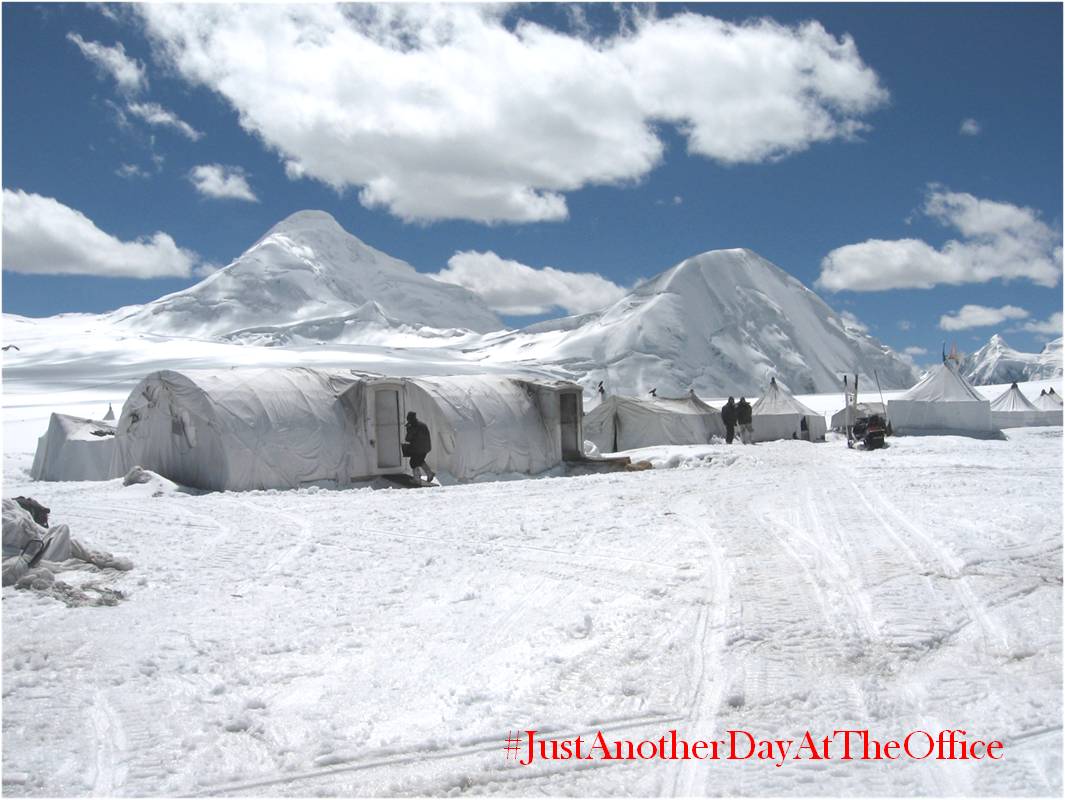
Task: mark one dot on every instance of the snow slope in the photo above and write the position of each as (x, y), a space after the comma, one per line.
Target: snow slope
(383, 643)
(308, 277)
(723, 322)
(997, 362)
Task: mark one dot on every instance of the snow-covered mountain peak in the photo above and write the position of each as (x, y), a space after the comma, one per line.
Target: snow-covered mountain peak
(308, 268)
(718, 322)
(997, 362)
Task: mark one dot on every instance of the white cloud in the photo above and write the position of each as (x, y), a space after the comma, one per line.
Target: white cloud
(216, 180)
(972, 316)
(999, 240)
(1051, 326)
(43, 236)
(969, 127)
(445, 112)
(904, 324)
(915, 351)
(127, 72)
(132, 171)
(155, 114)
(510, 287)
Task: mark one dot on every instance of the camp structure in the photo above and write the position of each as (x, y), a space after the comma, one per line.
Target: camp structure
(847, 415)
(74, 449)
(1012, 409)
(626, 423)
(778, 415)
(1050, 404)
(243, 428)
(942, 402)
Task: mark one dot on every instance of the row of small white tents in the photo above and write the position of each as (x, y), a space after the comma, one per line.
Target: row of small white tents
(244, 429)
(945, 402)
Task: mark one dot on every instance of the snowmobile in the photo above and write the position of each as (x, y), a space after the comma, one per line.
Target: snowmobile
(866, 431)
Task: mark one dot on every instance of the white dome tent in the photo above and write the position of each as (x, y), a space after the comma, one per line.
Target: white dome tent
(244, 429)
(942, 402)
(626, 423)
(73, 449)
(1012, 409)
(778, 415)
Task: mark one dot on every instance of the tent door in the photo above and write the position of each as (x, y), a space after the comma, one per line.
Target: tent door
(386, 427)
(570, 424)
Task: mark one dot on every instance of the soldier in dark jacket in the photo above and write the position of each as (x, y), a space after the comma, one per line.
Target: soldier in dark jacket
(728, 416)
(419, 443)
(743, 417)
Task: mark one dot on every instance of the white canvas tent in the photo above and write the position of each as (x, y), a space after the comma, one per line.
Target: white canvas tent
(846, 416)
(626, 423)
(1050, 404)
(243, 429)
(942, 402)
(73, 449)
(778, 415)
(1012, 409)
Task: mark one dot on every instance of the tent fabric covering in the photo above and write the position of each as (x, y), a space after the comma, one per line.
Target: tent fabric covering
(626, 423)
(73, 449)
(778, 415)
(1012, 409)
(942, 402)
(244, 429)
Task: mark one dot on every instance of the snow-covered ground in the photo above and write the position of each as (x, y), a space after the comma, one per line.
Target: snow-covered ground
(383, 642)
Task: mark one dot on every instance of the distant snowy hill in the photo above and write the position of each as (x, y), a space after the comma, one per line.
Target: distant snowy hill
(723, 322)
(997, 362)
(309, 278)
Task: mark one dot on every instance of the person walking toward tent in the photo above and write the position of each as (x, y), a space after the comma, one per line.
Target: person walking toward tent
(728, 416)
(419, 443)
(743, 417)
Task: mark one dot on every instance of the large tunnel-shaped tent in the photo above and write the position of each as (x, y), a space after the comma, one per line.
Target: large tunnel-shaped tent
(626, 423)
(243, 429)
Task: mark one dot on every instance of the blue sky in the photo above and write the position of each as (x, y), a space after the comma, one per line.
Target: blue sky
(587, 139)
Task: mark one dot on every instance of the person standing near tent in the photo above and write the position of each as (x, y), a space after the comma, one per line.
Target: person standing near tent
(728, 416)
(419, 443)
(743, 417)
